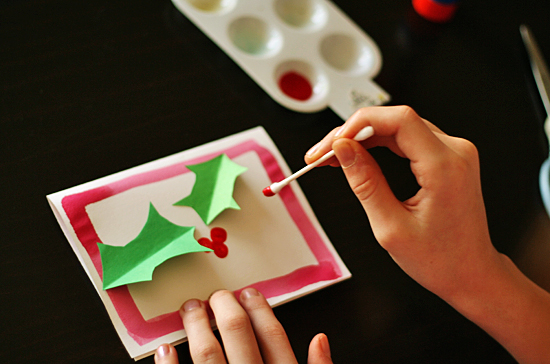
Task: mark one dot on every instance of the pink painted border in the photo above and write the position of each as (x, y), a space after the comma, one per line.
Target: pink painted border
(144, 331)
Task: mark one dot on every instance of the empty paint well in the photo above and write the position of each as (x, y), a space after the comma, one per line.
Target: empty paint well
(346, 54)
(305, 14)
(254, 36)
(212, 6)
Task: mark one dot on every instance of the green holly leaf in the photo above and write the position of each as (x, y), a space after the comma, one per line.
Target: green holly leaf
(158, 241)
(212, 192)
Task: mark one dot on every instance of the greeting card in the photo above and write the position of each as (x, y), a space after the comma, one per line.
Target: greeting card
(180, 227)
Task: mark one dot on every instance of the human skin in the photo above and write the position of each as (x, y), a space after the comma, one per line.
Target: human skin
(440, 236)
(249, 330)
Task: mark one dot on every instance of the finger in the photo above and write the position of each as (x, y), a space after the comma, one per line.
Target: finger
(433, 128)
(452, 142)
(166, 354)
(271, 337)
(203, 345)
(369, 184)
(391, 143)
(386, 120)
(235, 328)
(401, 123)
(319, 350)
(322, 148)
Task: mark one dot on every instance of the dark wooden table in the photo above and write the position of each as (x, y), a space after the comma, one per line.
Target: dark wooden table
(92, 88)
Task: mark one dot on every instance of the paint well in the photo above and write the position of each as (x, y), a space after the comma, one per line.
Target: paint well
(296, 86)
(346, 53)
(254, 36)
(212, 6)
(301, 13)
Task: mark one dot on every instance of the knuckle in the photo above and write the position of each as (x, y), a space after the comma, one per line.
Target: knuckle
(272, 331)
(470, 150)
(256, 305)
(456, 169)
(363, 112)
(360, 115)
(205, 352)
(462, 163)
(364, 189)
(234, 323)
(406, 112)
(450, 170)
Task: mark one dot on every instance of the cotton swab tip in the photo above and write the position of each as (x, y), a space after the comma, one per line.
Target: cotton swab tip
(364, 134)
(268, 192)
(274, 189)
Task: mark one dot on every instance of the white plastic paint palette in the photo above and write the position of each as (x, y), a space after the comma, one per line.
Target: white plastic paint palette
(306, 54)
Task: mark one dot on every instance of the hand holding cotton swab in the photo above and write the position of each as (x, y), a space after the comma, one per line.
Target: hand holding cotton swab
(272, 190)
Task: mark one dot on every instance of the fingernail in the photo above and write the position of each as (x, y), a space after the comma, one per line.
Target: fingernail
(249, 292)
(191, 305)
(313, 149)
(163, 351)
(340, 131)
(345, 154)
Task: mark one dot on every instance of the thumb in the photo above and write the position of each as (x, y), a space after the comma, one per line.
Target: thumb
(319, 350)
(367, 182)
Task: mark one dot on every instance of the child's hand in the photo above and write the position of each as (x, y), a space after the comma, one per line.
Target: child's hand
(249, 329)
(439, 236)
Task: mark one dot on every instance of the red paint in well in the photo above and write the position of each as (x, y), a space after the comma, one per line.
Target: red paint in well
(296, 86)
(435, 11)
(217, 244)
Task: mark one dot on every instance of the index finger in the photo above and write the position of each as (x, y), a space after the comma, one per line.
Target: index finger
(203, 345)
(321, 148)
(235, 328)
(271, 336)
(398, 127)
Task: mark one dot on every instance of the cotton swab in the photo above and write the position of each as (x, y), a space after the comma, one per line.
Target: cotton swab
(272, 190)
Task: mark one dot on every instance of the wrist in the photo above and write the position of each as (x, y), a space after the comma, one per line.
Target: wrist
(510, 308)
(483, 287)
